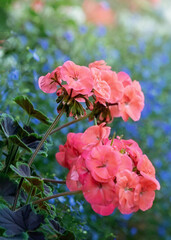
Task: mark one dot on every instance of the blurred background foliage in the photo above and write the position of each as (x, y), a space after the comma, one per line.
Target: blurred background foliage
(133, 36)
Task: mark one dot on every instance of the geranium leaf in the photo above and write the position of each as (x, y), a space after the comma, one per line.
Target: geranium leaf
(56, 226)
(25, 103)
(10, 127)
(32, 141)
(16, 140)
(19, 136)
(22, 236)
(37, 182)
(22, 169)
(7, 188)
(22, 220)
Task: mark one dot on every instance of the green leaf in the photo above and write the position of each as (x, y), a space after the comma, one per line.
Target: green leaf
(19, 136)
(22, 220)
(25, 103)
(22, 169)
(22, 236)
(37, 182)
(18, 142)
(7, 188)
(11, 127)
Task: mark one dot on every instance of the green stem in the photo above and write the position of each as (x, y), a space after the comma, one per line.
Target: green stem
(11, 156)
(53, 181)
(56, 195)
(17, 194)
(28, 120)
(45, 137)
(69, 123)
(29, 195)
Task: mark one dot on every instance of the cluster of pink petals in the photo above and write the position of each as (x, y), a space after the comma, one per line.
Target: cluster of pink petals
(111, 173)
(117, 91)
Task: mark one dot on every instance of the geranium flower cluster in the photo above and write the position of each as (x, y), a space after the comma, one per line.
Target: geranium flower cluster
(106, 93)
(111, 173)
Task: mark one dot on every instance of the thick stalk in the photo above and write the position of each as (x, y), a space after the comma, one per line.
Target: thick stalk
(11, 156)
(53, 181)
(69, 123)
(29, 195)
(45, 137)
(56, 195)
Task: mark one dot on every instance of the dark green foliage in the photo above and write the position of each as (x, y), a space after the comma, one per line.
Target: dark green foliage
(25, 103)
(7, 188)
(22, 169)
(19, 221)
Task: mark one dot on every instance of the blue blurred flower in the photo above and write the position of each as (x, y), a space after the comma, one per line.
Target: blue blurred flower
(14, 74)
(69, 36)
(43, 43)
(101, 31)
(83, 29)
(126, 216)
(29, 26)
(161, 231)
(71, 200)
(133, 230)
(132, 49)
(150, 141)
(34, 55)
(142, 45)
(23, 40)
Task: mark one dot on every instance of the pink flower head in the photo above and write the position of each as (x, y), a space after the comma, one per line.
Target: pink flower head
(72, 180)
(95, 135)
(78, 78)
(69, 153)
(103, 163)
(125, 188)
(101, 88)
(130, 148)
(101, 65)
(132, 102)
(143, 198)
(104, 210)
(107, 88)
(48, 83)
(98, 193)
(145, 166)
(116, 87)
(124, 78)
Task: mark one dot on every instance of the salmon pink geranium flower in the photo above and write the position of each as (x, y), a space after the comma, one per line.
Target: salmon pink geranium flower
(110, 173)
(50, 82)
(78, 78)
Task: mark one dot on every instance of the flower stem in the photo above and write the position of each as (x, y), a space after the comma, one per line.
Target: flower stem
(29, 195)
(53, 181)
(45, 137)
(57, 195)
(69, 123)
(11, 157)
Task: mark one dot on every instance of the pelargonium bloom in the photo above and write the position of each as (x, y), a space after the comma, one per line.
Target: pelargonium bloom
(110, 173)
(101, 65)
(49, 83)
(70, 152)
(103, 163)
(132, 103)
(78, 78)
